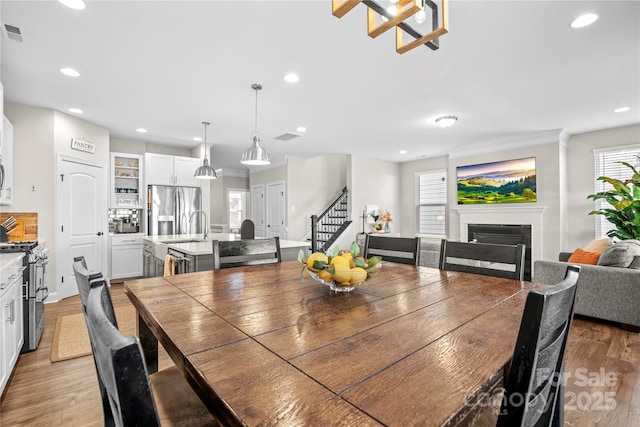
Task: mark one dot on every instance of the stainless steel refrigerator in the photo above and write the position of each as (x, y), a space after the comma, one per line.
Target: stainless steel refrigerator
(169, 209)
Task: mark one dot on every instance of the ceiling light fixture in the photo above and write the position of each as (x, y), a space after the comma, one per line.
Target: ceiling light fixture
(584, 20)
(74, 4)
(291, 78)
(409, 17)
(75, 110)
(622, 110)
(256, 155)
(446, 121)
(141, 130)
(301, 129)
(69, 72)
(205, 171)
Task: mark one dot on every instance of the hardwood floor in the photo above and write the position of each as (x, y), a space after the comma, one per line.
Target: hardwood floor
(602, 362)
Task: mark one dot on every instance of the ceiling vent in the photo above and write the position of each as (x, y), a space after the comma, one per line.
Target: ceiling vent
(287, 136)
(12, 33)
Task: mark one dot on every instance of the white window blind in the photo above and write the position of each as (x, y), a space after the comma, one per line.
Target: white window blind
(432, 202)
(606, 165)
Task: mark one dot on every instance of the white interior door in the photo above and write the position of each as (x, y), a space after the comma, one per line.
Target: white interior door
(257, 209)
(275, 210)
(82, 220)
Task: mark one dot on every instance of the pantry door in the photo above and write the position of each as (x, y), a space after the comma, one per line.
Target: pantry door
(82, 220)
(275, 210)
(257, 209)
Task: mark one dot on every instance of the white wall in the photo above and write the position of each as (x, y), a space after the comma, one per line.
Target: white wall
(219, 195)
(313, 184)
(582, 179)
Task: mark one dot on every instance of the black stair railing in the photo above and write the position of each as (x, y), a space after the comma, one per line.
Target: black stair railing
(326, 227)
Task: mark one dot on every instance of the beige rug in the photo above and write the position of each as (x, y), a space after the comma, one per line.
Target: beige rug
(71, 339)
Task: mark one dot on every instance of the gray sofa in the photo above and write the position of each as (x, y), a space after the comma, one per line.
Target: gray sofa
(609, 293)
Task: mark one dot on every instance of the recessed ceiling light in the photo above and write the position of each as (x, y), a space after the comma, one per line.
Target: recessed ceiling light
(74, 4)
(622, 109)
(446, 121)
(291, 78)
(141, 130)
(197, 138)
(75, 110)
(584, 20)
(403, 151)
(301, 129)
(69, 72)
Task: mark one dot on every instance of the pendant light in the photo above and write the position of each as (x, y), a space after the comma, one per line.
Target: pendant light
(205, 171)
(255, 155)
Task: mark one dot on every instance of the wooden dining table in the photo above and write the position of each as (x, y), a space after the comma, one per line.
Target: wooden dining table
(261, 346)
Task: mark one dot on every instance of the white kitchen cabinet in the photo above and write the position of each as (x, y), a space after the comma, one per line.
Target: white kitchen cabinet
(126, 181)
(6, 161)
(11, 332)
(162, 169)
(126, 256)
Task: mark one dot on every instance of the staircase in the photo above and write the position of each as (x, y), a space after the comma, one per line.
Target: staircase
(328, 226)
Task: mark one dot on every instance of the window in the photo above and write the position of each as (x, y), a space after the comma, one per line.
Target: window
(606, 165)
(431, 199)
(237, 208)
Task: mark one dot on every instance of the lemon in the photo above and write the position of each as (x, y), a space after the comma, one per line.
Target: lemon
(358, 275)
(349, 257)
(325, 275)
(340, 262)
(316, 256)
(342, 270)
(342, 276)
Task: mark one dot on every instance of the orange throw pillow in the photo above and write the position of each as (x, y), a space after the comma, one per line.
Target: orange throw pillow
(580, 256)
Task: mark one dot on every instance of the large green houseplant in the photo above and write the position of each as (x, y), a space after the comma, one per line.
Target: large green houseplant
(624, 197)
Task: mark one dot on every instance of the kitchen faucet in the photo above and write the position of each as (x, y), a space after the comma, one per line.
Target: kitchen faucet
(206, 226)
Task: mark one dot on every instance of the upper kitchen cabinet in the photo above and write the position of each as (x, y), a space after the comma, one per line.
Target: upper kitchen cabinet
(126, 181)
(6, 163)
(162, 169)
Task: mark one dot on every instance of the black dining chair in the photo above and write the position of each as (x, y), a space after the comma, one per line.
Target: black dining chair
(237, 253)
(534, 390)
(404, 250)
(247, 229)
(127, 398)
(489, 259)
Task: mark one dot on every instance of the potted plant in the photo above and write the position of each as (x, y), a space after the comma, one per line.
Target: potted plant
(624, 198)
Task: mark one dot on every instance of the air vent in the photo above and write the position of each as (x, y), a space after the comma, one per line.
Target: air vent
(287, 136)
(12, 33)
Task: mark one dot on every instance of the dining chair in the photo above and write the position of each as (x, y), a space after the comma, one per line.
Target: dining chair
(235, 253)
(170, 401)
(404, 250)
(534, 386)
(247, 229)
(489, 259)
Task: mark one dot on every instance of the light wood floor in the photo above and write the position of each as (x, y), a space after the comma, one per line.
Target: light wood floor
(603, 362)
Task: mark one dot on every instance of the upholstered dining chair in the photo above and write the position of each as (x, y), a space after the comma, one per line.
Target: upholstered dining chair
(534, 390)
(488, 259)
(235, 253)
(122, 374)
(404, 250)
(247, 229)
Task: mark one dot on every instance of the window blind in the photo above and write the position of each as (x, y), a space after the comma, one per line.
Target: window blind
(606, 164)
(432, 203)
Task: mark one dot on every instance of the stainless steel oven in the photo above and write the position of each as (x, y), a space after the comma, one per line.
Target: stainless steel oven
(34, 289)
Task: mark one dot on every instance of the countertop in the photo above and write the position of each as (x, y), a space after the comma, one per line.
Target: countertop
(8, 258)
(203, 247)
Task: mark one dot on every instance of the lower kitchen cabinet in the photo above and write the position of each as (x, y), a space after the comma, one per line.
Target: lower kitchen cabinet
(11, 332)
(126, 256)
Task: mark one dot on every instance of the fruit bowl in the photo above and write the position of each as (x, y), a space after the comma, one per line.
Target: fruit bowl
(341, 271)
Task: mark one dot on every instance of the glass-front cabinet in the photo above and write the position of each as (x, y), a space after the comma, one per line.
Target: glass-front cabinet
(126, 180)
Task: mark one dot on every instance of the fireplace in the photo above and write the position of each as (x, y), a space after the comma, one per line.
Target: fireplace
(504, 234)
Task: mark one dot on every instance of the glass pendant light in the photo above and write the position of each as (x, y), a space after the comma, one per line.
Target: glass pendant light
(205, 171)
(256, 155)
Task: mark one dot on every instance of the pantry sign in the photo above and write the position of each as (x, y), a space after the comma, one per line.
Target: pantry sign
(82, 144)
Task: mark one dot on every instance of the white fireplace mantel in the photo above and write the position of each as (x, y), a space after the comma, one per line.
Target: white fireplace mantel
(505, 214)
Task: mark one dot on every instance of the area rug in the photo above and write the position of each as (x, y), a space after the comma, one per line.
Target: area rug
(71, 339)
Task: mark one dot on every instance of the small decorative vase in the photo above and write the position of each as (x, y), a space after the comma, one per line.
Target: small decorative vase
(386, 228)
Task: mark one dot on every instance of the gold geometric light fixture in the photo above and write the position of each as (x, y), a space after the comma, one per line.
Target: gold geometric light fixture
(417, 22)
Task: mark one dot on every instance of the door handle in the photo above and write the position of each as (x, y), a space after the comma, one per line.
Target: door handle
(99, 233)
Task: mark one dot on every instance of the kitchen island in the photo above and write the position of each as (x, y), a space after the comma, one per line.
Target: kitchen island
(195, 253)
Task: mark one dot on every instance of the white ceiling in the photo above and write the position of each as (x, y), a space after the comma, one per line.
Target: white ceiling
(515, 73)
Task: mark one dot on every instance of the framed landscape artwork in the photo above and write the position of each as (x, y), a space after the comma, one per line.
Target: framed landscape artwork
(509, 181)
